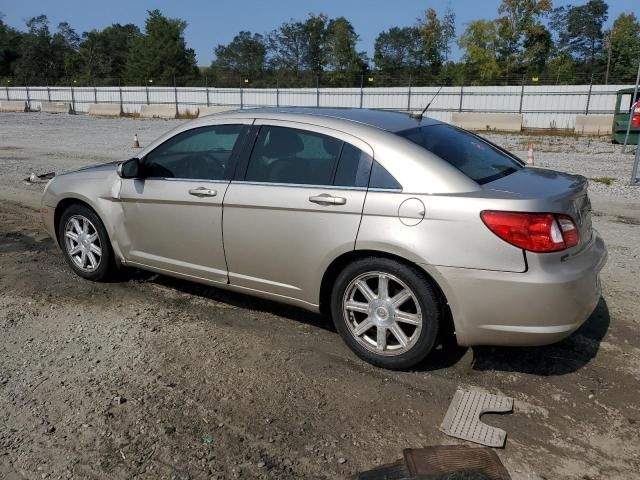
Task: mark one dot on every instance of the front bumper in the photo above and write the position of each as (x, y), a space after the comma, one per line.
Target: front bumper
(48, 215)
(543, 305)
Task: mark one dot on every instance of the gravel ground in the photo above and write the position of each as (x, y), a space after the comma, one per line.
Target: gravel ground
(151, 377)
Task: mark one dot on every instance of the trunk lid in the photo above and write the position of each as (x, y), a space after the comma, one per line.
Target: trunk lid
(554, 192)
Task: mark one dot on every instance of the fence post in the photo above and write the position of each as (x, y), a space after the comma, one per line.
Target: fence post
(241, 97)
(409, 96)
(146, 87)
(28, 98)
(120, 96)
(206, 86)
(175, 94)
(317, 90)
(95, 94)
(361, 89)
(521, 95)
(48, 92)
(586, 110)
(277, 94)
(461, 95)
(73, 100)
(6, 87)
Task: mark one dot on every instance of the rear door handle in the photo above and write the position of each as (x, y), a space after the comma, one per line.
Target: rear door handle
(326, 199)
(202, 192)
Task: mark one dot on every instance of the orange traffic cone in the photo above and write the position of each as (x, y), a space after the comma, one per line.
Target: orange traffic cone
(136, 142)
(530, 154)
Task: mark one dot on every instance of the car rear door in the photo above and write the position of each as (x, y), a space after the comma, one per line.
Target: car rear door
(295, 205)
(172, 217)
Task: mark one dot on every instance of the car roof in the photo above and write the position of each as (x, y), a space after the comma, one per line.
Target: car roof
(390, 121)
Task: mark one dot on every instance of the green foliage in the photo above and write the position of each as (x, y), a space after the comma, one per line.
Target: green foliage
(161, 54)
(625, 46)
(245, 55)
(480, 44)
(104, 52)
(398, 50)
(526, 40)
(10, 45)
(580, 30)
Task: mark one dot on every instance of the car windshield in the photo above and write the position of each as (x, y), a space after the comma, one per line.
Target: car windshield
(478, 159)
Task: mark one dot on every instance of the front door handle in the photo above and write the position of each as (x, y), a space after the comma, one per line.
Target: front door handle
(326, 199)
(203, 192)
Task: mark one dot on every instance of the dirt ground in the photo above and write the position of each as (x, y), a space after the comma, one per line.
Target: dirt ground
(154, 378)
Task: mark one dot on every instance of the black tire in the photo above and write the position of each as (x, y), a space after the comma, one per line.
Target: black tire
(424, 294)
(106, 265)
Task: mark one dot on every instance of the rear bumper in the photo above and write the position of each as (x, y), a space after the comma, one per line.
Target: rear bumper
(541, 306)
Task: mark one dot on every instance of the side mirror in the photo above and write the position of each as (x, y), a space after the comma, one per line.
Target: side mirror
(129, 168)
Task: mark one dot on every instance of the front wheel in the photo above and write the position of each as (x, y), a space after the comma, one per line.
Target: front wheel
(386, 311)
(85, 243)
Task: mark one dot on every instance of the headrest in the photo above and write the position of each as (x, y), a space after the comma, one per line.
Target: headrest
(283, 142)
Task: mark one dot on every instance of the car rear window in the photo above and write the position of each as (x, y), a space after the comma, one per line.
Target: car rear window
(477, 158)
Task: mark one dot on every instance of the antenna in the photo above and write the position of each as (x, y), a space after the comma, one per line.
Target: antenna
(418, 116)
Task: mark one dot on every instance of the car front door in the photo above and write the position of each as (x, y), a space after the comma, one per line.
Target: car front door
(294, 205)
(173, 213)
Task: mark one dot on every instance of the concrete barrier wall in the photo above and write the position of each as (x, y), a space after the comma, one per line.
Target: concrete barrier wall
(56, 107)
(105, 109)
(214, 109)
(13, 106)
(594, 124)
(503, 122)
(158, 111)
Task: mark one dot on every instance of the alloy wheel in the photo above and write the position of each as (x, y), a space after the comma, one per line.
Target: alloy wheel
(383, 313)
(82, 243)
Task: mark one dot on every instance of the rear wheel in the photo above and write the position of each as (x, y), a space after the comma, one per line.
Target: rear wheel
(85, 243)
(386, 311)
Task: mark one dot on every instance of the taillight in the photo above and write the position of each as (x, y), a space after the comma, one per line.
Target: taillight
(536, 232)
(635, 115)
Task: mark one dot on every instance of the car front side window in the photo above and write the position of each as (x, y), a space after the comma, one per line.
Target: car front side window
(202, 153)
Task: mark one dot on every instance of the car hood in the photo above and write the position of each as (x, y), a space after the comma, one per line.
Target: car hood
(99, 169)
(531, 182)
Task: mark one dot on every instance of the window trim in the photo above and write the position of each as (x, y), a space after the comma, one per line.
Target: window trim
(231, 164)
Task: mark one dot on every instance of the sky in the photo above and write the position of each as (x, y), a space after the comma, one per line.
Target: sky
(212, 22)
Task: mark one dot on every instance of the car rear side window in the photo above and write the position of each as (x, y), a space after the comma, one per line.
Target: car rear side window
(199, 154)
(289, 155)
(354, 167)
(477, 158)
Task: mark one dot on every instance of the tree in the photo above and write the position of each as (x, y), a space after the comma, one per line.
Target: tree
(625, 47)
(245, 55)
(431, 33)
(45, 57)
(341, 41)
(398, 50)
(287, 46)
(315, 52)
(537, 45)
(480, 44)
(10, 43)
(580, 29)
(161, 54)
(448, 32)
(104, 53)
(520, 19)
